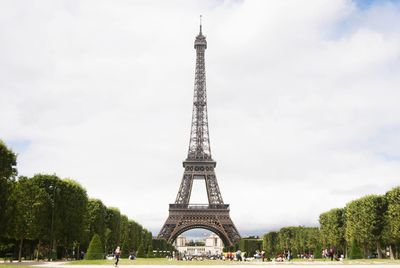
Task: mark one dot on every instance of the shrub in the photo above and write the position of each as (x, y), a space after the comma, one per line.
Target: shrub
(95, 250)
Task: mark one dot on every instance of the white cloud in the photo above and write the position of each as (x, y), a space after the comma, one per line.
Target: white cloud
(303, 101)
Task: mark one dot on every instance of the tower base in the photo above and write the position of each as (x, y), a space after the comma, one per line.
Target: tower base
(214, 217)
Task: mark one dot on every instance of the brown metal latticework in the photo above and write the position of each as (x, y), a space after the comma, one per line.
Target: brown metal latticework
(213, 216)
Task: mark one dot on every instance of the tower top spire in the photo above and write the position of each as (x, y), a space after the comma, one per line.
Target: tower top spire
(200, 25)
(200, 41)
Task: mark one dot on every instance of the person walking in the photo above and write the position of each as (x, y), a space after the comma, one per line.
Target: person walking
(117, 254)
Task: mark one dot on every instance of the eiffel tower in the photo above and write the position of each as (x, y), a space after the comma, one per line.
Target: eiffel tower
(199, 165)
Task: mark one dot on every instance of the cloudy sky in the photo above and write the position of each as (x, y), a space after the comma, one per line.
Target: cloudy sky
(303, 101)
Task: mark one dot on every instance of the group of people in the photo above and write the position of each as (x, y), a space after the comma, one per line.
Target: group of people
(286, 255)
(233, 255)
(308, 256)
(260, 255)
(331, 254)
(239, 256)
(328, 253)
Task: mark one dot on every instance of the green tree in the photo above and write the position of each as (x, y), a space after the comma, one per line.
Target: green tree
(96, 219)
(95, 250)
(135, 235)
(28, 203)
(298, 240)
(332, 228)
(250, 246)
(124, 236)
(8, 171)
(113, 222)
(146, 240)
(365, 222)
(392, 230)
(286, 238)
(313, 242)
(355, 251)
(270, 244)
(72, 208)
(161, 246)
(140, 252)
(53, 223)
(107, 235)
(66, 211)
(150, 253)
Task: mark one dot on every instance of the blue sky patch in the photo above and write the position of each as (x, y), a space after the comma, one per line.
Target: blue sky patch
(18, 146)
(365, 4)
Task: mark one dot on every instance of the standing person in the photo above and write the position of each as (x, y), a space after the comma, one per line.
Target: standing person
(262, 255)
(117, 254)
(238, 255)
(331, 252)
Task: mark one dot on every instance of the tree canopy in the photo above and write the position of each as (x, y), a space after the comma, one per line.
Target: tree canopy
(49, 217)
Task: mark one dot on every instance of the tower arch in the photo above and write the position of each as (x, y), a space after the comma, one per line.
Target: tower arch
(216, 231)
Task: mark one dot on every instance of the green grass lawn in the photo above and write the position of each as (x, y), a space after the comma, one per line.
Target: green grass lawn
(12, 266)
(153, 261)
(16, 264)
(372, 261)
(163, 261)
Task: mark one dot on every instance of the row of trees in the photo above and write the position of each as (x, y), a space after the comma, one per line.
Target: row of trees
(48, 217)
(298, 240)
(364, 227)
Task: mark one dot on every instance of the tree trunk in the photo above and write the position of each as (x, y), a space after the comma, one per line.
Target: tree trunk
(54, 251)
(37, 252)
(365, 251)
(391, 252)
(20, 250)
(378, 249)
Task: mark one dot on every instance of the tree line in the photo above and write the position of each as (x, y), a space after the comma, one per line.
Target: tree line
(365, 227)
(46, 217)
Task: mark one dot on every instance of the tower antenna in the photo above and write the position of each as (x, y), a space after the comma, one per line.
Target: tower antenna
(200, 24)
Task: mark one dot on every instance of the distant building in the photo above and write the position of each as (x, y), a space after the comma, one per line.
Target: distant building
(212, 246)
(181, 241)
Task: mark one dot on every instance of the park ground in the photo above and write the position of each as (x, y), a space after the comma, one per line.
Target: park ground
(156, 262)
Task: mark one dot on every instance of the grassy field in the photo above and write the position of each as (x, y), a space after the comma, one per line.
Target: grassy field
(12, 266)
(163, 261)
(372, 261)
(16, 264)
(153, 261)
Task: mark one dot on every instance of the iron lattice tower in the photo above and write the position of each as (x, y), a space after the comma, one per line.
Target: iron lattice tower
(199, 164)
